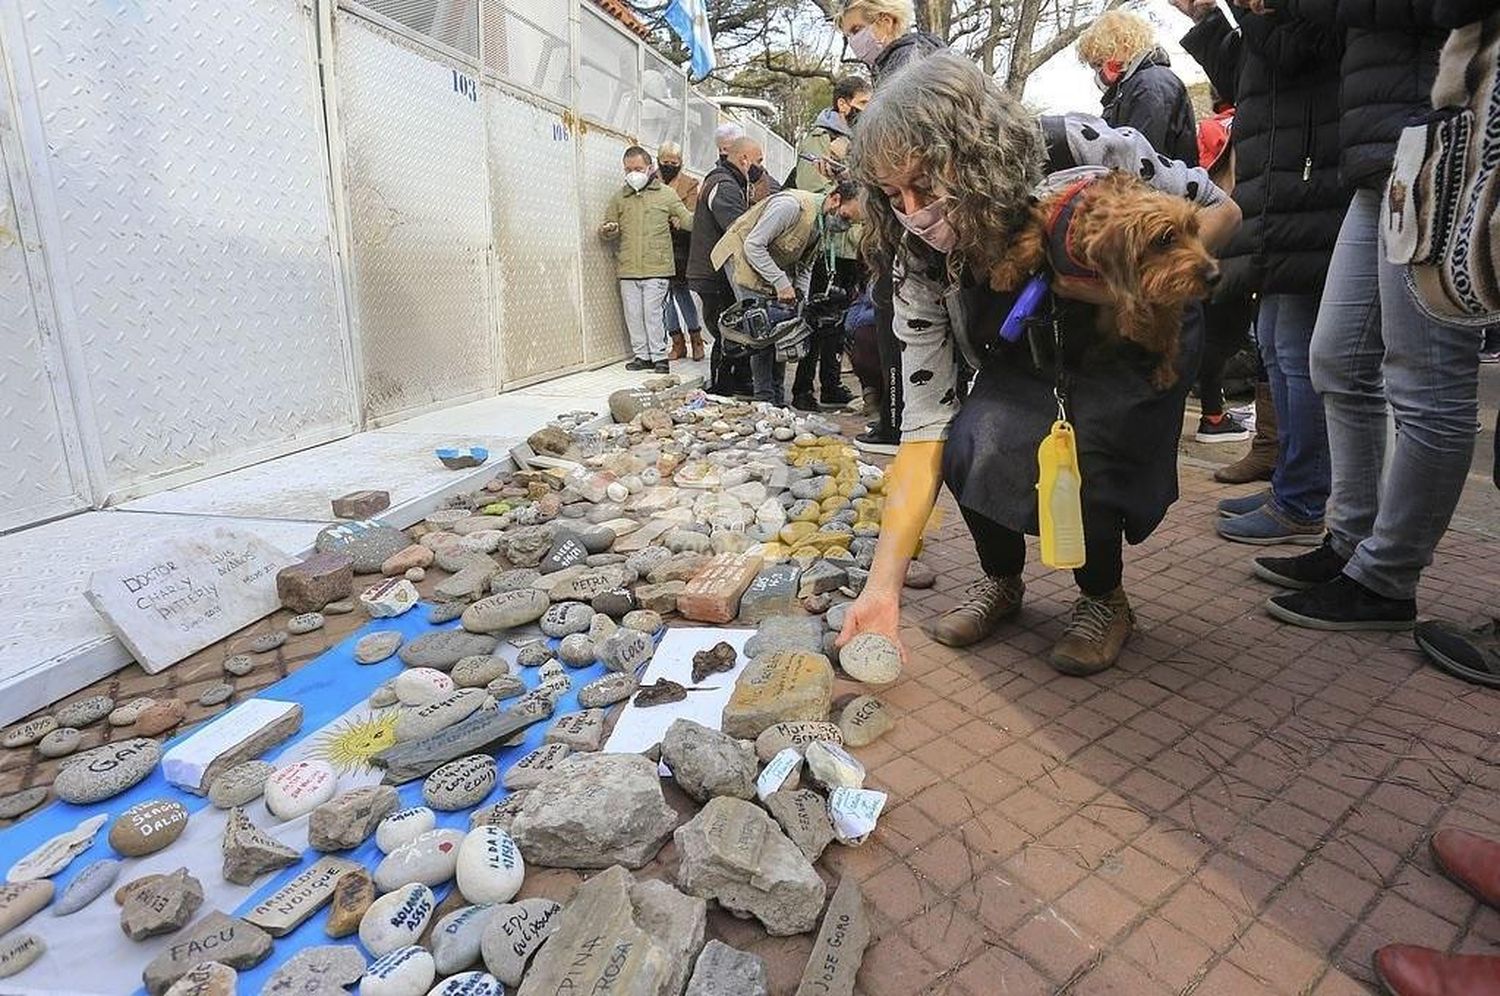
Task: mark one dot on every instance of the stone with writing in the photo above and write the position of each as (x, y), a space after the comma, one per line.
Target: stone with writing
(417, 722)
(584, 588)
(20, 900)
(490, 867)
(136, 885)
(56, 853)
(840, 945)
(325, 968)
(512, 934)
(29, 732)
(241, 784)
(481, 731)
(18, 951)
(60, 742)
(607, 690)
(864, 720)
(773, 591)
(566, 618)
(92, 881)
(309, 891)
(579, 731)
(348, 819)
(305, 622)
(244, 732)
(478, 670)
(733, 852)
(389, 598)
(871, 658)
(596, 945)
(373, 648)
(250, 852)
(467, 585)
(468, 984)
(163, 907)
(706, 763)
(429, 858)
(533, 769)
(264, 643)
(676, 922)
(786, 632)
(106, 771)
(803, 816)
(643, 621)
(85, 712)
(147, 827)
(217, 937)
(505, 610)
(216, 694)
(778, 688)
(406, 971)
(207, 978)
(366, 542)
(124, 715)
(352, 895)
(443, 649)
(417, 686)
(577, 650)
(310, 585)
(460, 784)
(626, 650)
(567, 551)
(300, 787)
(456, 937)
(396, 919)
(725, 971)
(499, 814)
(597, 810)
(172, 598)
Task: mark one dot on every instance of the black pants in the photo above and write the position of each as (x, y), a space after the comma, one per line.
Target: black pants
(1002, 552)
(1226, 331)
(890, 354)
(714, 303)
(824, 358)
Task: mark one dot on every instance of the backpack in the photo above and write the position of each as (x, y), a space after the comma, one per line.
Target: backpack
(1441, 213)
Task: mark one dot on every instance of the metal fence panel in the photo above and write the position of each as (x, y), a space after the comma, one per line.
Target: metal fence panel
(702, 119)
(533, 190)
(603, 317)
(663, 90)
(418, 191)
(454, 23)
(527, 43)
(190, 230)
(609, 74)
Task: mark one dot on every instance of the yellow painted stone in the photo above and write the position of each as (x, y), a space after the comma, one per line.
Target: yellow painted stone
(794, 532)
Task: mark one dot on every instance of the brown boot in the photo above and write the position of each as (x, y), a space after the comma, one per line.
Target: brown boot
(678, 349)
(1261, 460)
(991, 602)
(1095, 635)
(695, 336)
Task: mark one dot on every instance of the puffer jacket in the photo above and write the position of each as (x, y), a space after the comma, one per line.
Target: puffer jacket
(908, 48)
(1282, 75)
(1150, 98)
(721, 199)
(1389, 65)
(643, 249)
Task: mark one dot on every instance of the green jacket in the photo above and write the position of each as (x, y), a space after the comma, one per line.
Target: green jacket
(823, 143)
(644, 243)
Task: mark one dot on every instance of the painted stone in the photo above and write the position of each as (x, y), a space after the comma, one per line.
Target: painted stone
(783, 686)
(300, 787)
(533, 769)
(403, 827)
(106, 771)
(313, 888)
(490, 868)
(430, 859)
(207, 978)
(396, 919)
(468, 984)
(406, 971)
(456, 937)
(460, 784)
(147, 827)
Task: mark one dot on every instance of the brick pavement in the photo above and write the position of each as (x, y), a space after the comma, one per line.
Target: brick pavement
(1237, 808)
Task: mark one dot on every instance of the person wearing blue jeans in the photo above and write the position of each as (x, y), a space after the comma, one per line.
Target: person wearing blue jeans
(1292, 511)
(1371, 350)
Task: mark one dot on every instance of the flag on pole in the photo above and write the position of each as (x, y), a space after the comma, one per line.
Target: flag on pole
(689, 19)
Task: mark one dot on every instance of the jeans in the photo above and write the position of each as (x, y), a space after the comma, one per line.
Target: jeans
(769, 376)
(680, 299)
(1372, 348)
(1299, 484)
(642, 300)
(1002, 552)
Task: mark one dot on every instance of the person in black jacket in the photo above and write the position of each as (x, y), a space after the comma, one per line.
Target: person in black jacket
(722, 197)
(1372, 351)
(1282, 73)
(1140, 89)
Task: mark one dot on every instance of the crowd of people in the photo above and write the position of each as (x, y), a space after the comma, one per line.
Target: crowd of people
(912, 191)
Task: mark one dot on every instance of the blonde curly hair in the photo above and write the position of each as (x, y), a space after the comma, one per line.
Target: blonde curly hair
(944, 119)
(903, 12)
(1116, 34)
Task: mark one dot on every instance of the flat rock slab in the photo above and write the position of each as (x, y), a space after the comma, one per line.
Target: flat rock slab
(404, 762)
(53, 855)
(725, 971)
(312, 889)
(217, 937)
(597, 810)
(772, 592)
(533, 769)
(326, 968)
(596, 946)
(513, 933)
(803, 816)
(840, 945)
(781, 687)
(239, 735)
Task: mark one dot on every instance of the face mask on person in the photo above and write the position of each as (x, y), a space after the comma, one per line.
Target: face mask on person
(865, 46)
(930, 224)
(755, 172)
(1108, 74)
(669, 171)
(851, 116)
(836, 223)
(637, 180)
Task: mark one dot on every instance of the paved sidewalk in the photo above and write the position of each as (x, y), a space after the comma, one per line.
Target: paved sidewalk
(1238, 808)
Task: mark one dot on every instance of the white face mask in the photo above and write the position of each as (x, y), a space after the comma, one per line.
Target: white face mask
(637, 180)
(930, 224)
(865, 46)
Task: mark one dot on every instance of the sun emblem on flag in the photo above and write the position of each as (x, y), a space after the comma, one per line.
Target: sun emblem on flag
(349, 744)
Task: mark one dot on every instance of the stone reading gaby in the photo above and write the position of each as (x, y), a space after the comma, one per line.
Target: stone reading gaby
(177, 596)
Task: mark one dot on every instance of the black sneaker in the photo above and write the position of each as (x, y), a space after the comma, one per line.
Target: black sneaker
(638, 364)
(1343, 604)
(877, 440)
(1224, 429)
(661, 367)
(805, 402)
(1304, 571)
(839, 395)
(1470, 654)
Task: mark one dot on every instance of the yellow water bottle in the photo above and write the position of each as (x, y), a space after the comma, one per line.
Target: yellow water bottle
(1059, 498)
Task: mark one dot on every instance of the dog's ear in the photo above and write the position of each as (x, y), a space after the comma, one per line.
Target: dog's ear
(1114, 252)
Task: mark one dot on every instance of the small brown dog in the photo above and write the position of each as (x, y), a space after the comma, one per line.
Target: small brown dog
(1140, 244)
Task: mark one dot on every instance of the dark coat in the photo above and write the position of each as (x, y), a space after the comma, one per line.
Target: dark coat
(721, 199)
(1282, 75)
(907, 49)
(1390, 62)
(1152, 99)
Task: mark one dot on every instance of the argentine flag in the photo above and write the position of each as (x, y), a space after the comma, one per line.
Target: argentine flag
(689, 18)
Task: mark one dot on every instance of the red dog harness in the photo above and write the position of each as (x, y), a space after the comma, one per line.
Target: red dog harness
(1059, 226)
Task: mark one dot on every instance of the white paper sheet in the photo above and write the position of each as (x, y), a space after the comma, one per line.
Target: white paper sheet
(638, 729)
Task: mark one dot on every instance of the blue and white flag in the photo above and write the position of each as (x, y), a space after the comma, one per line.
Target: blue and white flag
(689, 18)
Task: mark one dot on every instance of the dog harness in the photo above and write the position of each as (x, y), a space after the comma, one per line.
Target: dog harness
(1059, 227)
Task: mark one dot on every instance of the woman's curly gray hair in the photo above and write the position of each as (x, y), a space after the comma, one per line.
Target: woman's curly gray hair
(948, 121)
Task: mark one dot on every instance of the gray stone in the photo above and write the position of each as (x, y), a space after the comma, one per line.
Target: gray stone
(18, 951)
(786, 632)
(164, 906)
(607, 690)
(441, 650)
(533, 769)
(577, 650)
(674, 921)
(643, 562)
(468, 584)
(369, 544)
(238, 665)
(84, 712)
(106, 771)
(250, 852)
(207, 978)
(504, 687)
(479, 670)
(597, 947)
(231, 941)
(324, 969)
(832, 767)
(795, 733)
(305, 622)
(499, 814)
(512, 934)
(840, 945)
(445, 612)
(596, 810)
(726, 971)
(707, 763)
(643, 621)
(662, 597)
(342, 607)
(601, 628)
(264, 643)
(24, 801)
(505, 610)
(125, 715)
(616, 603)
(864, 720)
(595, 537)
(567, 551)
(679, 566)
(348, 819)
(426, 720)
(773, 592)
(515, 579)
(376, 647)
(626, 650)
(872, 659)
(19, 901)
(91, 882)
(29, 732)
(567, 618)
(407, 761)
(60, 742)
(460, 784)
(456, 937)
(534, 654)
(525, 547)
(803, 816)
(578, 731)
(734, 853)
(216, 694)
(240, 785)
(681, 541)
(821, 578)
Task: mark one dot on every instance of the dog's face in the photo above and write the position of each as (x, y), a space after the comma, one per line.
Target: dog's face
(1145, 245)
